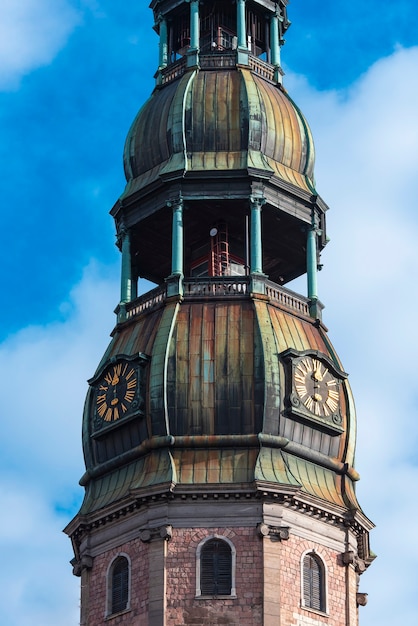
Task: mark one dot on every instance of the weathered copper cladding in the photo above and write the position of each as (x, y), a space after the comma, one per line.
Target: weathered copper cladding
(219, 120)
(215, 135)
(216, 404)
(219, 407)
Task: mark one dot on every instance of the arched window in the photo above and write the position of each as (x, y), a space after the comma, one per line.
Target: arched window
(216, 567)
(313, 575)
(118, 585)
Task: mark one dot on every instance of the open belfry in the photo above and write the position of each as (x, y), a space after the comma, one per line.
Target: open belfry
(219, 427)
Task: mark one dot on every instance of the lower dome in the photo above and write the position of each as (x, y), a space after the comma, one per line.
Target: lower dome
(220, 378)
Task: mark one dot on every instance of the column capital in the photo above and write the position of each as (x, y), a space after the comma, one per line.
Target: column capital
(276, 533)
(121, 234)
(175, 203)
(257, 201)
(83, 563)
(161, 532)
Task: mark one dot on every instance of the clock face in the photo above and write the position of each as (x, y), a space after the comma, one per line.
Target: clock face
(116, 392)
(316, 387)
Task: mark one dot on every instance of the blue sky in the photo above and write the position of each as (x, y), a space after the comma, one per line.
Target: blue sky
(73, 73)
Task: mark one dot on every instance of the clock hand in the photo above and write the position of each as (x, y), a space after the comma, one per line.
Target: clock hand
(317, 375)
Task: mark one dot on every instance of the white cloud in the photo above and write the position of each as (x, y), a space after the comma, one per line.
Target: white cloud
(32, 32)
(40, 450)
(367, 148)
(36, 577)
(47, 368)
(367, 155)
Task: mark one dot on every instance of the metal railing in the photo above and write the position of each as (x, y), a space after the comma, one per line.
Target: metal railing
(216, 60)
(233, 286)
(146, 302)
(287, 298)
(262, 68)
(173, 71)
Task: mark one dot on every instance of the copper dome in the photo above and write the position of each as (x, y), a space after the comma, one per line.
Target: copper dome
(221, 120)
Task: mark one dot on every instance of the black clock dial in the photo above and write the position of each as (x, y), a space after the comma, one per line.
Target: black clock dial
(116, 392)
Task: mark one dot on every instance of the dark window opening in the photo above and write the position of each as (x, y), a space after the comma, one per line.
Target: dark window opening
(120, 585)
(313, 583)
(217, 27)
(216, 568)
(258, 33)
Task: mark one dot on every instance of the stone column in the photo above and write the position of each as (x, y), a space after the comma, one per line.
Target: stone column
(256, 246)
(163, 43)
(82, 568)
(312, 270)
(175, 280)
(157, 539)
(193, 53)
(272, 562)
(127, 288)
(275, 45)
(242, 33)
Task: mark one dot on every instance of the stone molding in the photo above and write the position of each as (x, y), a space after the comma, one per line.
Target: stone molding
(276, 533)
(151, 534)
(85, 562)
(82, 527)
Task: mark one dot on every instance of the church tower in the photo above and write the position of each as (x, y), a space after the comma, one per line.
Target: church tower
(219, 427)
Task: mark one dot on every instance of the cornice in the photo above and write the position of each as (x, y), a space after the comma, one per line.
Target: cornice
(286, 496)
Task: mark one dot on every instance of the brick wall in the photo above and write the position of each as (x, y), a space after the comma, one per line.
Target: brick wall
(292, 614)
(184, 609)
(137, 615)
(280, 588)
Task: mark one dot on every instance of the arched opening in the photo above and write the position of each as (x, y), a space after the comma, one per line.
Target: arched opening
(215, 565)
(313, 582)
(118, 585)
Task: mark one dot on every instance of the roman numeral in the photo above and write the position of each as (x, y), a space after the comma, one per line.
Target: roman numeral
(309, 403)
(130, 373)
(129, 396)
(332, 404)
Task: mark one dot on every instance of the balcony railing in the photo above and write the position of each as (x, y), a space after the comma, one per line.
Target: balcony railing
(173, 71)
(287, 298)
(222, 287)
(217, 60)
(150, 300)
(263, 69)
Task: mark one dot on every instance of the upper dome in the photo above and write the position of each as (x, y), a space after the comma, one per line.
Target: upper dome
(219, 120)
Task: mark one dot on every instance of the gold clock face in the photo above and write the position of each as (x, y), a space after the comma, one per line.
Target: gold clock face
(116, 392)
(316, 387)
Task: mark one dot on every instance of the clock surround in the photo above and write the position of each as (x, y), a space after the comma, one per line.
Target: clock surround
(313, 390)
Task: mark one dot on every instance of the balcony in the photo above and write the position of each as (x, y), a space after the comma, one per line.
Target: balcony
(217, 60)
(219, 288)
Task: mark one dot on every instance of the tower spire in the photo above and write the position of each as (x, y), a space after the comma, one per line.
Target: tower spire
(219, 427)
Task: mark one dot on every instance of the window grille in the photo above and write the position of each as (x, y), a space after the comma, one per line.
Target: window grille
(313, 583)
(216, 568)
(120, 585)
